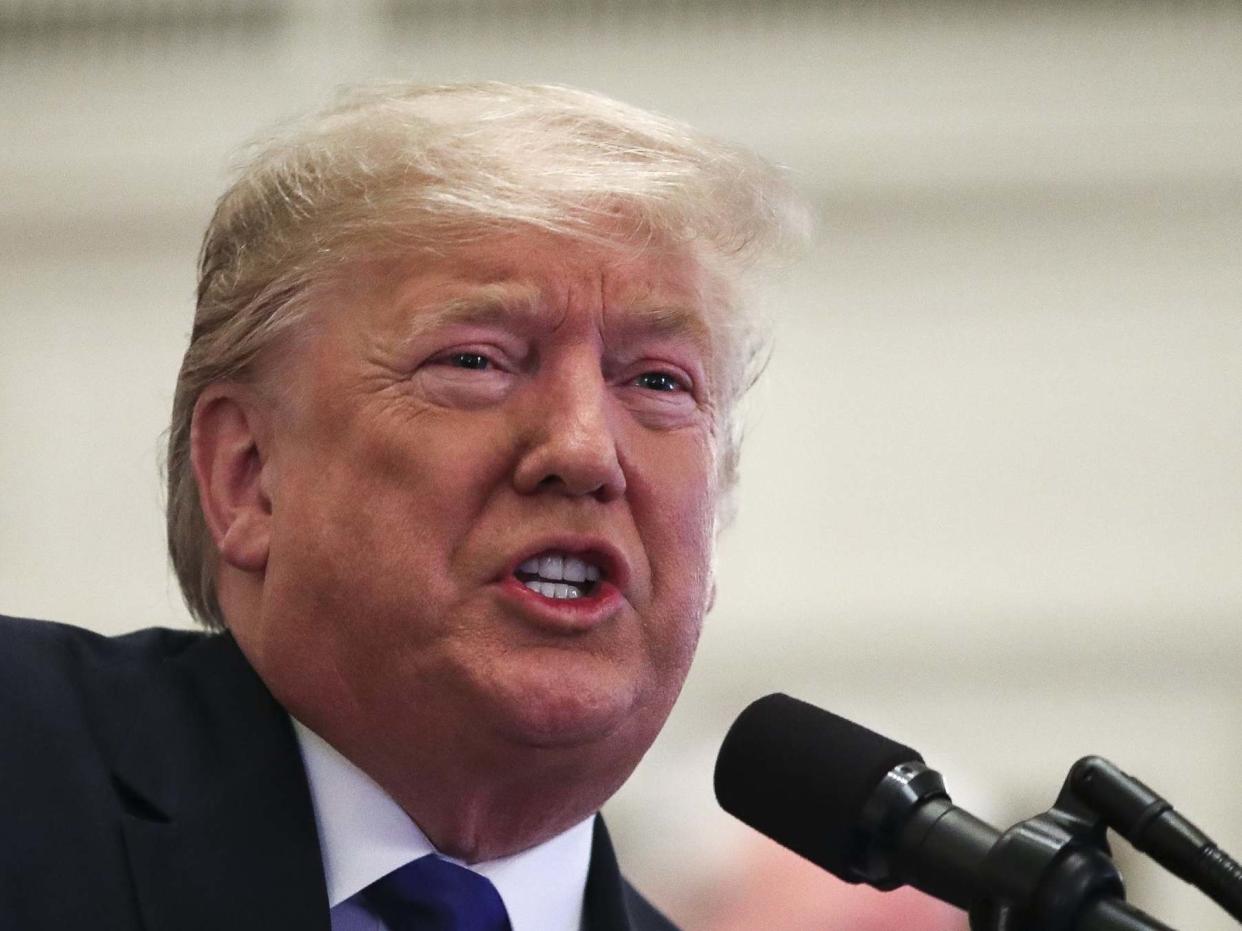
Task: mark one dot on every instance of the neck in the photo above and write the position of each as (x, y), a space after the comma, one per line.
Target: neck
(476, 809)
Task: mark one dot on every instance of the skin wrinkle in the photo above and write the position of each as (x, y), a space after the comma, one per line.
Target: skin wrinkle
(497, 299)
(495, 302)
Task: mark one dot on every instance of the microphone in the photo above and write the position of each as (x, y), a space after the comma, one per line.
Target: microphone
(868, 810)
(848, 799)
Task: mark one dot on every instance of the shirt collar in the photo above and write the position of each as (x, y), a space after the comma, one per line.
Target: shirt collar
(364, 835)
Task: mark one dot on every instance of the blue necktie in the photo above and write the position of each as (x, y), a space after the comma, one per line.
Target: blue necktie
(432, 894)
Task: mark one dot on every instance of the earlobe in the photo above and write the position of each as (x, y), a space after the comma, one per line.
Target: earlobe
(228, 451)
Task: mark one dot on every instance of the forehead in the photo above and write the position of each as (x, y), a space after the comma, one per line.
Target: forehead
(541, 280)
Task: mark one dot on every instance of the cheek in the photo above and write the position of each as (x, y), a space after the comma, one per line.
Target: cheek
(384, 503)
(674, 509)
(437, 460)
(677, 495)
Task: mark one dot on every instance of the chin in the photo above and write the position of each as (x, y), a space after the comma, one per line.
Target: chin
(551, 708)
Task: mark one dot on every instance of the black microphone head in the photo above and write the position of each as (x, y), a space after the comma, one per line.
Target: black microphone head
(801, 775)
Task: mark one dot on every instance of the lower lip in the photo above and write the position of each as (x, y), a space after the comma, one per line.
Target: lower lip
(564, 614)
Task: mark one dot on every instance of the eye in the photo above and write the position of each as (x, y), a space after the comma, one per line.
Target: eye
(468, 360)
(659, 381)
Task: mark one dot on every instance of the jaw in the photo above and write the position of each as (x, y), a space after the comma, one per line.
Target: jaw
(562, 696)
(517, 774)
(550, 735)
(494, 730)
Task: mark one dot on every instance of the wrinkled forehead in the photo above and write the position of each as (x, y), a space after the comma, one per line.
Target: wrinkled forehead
(556, 271)
(635, 293)
(537, 281)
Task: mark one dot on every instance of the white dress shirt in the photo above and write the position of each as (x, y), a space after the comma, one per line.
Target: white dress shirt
(364, 835)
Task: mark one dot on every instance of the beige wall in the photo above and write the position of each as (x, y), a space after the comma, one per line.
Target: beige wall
(991, 499)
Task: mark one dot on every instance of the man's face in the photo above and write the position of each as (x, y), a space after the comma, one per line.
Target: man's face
(459, 431)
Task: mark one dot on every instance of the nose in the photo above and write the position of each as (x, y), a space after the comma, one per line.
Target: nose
(572, 448)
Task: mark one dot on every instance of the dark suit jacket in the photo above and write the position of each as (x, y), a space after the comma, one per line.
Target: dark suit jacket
(151, 782)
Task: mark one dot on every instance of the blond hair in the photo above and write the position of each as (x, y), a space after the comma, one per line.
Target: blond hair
(400, 167)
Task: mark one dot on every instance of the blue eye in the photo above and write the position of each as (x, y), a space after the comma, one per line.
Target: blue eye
(659, 381)
(468, 360)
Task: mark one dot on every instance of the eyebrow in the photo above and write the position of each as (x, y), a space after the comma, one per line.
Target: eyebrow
(664, 320)
(503, 303)
(485, 305)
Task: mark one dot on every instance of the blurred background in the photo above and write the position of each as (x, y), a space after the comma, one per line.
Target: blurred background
(992, 493)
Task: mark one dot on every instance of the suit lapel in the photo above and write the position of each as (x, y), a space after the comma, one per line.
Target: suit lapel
(218, 822)
(611, 903)
(604, 903)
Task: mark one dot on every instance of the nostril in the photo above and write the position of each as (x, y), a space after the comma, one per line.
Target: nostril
(565, 465)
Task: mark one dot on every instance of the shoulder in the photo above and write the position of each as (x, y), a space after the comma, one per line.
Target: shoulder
(65, 696)
(57, 681)
(76, 646)
(41, 658)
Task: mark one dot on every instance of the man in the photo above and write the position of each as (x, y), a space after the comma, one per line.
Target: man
(450, 447)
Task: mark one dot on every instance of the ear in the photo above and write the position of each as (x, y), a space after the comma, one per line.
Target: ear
(229, 452)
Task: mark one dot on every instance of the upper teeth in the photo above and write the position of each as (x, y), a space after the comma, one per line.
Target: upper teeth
(558, 567)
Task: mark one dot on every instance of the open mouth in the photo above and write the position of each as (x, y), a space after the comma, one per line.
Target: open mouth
(560, 575)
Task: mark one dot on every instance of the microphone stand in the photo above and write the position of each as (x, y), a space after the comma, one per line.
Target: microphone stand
(1053, 872)
(1153, 827)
